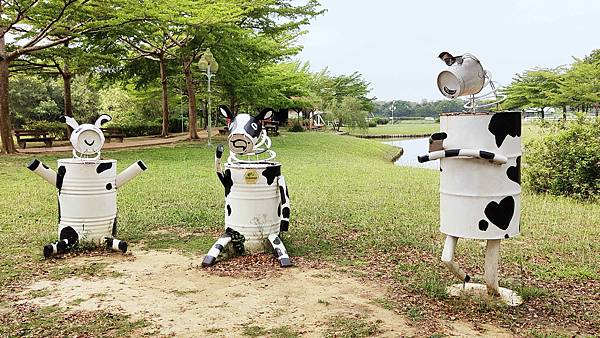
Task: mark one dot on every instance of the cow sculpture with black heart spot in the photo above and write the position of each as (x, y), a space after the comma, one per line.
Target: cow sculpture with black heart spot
(257, 202)
(87, 190)
(480, 162)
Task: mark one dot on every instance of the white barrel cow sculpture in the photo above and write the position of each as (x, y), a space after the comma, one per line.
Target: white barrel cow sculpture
(480, 184)
(257, 203)
(87, 190)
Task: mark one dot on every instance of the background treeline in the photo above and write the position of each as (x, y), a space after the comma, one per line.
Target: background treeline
(575, 87)
(137, 60)
(413, 109)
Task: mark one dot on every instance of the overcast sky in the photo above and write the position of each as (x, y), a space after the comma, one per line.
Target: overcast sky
(395, 43)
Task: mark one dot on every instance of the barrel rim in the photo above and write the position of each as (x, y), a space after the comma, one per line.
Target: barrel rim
(476, 113)
(82, 161)
(257, 165)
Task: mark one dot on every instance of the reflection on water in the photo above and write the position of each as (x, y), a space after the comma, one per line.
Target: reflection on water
(412, 149)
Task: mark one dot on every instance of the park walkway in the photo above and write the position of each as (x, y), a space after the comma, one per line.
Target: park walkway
(132, 142)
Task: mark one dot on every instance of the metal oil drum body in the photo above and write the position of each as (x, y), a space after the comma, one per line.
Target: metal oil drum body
(87, 198)
(479, 199)
(252, 207)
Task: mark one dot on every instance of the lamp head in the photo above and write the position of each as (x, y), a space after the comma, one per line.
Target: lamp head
(464, 75)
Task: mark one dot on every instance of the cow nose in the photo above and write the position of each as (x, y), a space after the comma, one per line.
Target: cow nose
(240, 143)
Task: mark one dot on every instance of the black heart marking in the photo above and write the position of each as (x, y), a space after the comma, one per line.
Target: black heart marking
(504, 124)
(514, 173)
(501, 213)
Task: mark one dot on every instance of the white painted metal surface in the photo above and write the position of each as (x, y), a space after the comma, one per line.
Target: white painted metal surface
(473, 190)
(464, 77)
(252, 206)
(88, 199)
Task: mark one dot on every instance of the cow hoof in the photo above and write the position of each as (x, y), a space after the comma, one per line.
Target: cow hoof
(123, 246)
(285, 263)
(208, 261)
(48, 251)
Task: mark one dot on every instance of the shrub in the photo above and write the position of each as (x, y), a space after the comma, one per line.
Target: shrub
(296, 127)
(58, 130)
(383, 121)
(565, 161)
(141, 128)
(372, 124)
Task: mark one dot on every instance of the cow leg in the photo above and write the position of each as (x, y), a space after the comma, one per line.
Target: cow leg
(215, 250)
(284, 195)
(57, 248)
(448, 259)
(67, 240)
(115, 244)
(492, 256)
(280, 251)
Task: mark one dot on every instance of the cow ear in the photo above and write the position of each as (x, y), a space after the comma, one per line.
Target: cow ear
(265, 114)
(69, 121)
(226, 112)
(102, 120)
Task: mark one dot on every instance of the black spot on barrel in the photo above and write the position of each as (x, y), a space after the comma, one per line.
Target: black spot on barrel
(109, 186)
(483, 225)
(514, 172)
(271, 172)
(506, 236)
(451, 152)
(228, 210)
(276, 241)
(279, 210)
(284, 225)
(504, 124)
(142, 165)
(114, 228)
(282, 194)
(45, 166)
(486, 154)
(60, 176)
(501, 213)
(70, 235)
(226, 180)
(102, 167)
(285, 212)
(34, 164)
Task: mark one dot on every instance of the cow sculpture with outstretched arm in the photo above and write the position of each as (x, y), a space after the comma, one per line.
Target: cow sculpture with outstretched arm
(257, 202)
(87, 190)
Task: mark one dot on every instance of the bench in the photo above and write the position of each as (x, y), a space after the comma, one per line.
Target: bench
(110, 133)
(272, 127)
(223, 131)
(24, 136)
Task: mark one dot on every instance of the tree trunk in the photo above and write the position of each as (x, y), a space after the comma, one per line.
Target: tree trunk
(565, 113)
(165, 96)
(68, 103)
(232, 104)
(8, 144)
(191, 93)
(542, 112)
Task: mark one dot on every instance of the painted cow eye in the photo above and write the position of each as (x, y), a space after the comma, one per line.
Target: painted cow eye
(254, 126)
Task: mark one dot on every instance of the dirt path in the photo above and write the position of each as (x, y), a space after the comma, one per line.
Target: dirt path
(180, 299)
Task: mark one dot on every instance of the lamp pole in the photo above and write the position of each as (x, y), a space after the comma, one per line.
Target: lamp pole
(208, 66)
(392, 108)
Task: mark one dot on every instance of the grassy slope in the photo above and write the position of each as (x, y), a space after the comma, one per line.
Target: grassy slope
(349, 205)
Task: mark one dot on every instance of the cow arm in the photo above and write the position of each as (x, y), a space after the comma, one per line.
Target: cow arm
(472, 153)
(285, 204)
(43, 171)
(129, 173)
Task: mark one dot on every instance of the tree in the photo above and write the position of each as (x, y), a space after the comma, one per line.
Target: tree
(30, 25)
(537, 88)
(350, 111)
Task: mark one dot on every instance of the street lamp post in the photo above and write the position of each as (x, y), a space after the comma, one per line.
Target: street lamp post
(209, 67)
(392, 108)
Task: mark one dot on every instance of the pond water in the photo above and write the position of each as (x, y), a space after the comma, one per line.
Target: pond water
(412, 149)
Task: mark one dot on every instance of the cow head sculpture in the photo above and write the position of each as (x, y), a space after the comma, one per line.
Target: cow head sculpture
(87, 139)
(246, 134)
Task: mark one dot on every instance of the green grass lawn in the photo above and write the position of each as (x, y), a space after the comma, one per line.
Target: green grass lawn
(350, 206)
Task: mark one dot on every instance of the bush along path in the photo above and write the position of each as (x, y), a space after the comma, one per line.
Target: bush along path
(355, 217)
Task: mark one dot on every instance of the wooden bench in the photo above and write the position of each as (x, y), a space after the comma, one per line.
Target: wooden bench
(272, 127)
(110, 133)
(24, 136)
